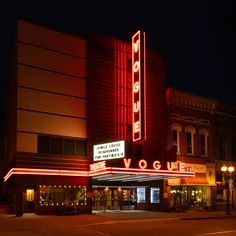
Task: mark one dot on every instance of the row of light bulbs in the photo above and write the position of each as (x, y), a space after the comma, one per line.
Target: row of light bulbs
(61, 204)
(60, 186)
(185, 191)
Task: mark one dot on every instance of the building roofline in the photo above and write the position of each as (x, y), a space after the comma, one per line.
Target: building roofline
(180, 98)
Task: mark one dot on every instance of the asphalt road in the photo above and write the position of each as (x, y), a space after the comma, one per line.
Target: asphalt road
(90, 225)
(223, 227)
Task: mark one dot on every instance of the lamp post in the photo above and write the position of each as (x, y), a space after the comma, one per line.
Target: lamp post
(230, 170)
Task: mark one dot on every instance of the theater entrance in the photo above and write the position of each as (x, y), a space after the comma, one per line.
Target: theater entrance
(114, 198)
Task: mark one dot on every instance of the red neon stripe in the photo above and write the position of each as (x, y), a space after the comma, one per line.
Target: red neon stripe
(133, 114)
(144, 83)
(107, 170)
(151, 171)
(29, 171)
(156, 174)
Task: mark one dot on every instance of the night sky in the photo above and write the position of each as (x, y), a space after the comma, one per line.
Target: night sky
(196, 38)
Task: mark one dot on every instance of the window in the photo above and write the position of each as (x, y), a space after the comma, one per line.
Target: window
(29, 195)
(61, 146)
(190, 196)
(141, 195)
(81, 148)
(43, 144)
(56, 145)
(62, 195)
(203, 145)
(155, 195)
(221, 147)
(69, 147)
(234, 149)
(174, 137)
(203, 141)
(219, 176)
(175, 133)
(190, 131)
(189, 143)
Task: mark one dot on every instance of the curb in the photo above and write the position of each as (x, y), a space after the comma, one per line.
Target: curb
(207, 217)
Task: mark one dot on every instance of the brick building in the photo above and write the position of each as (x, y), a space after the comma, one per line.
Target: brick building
(224, 151)
(190, 129)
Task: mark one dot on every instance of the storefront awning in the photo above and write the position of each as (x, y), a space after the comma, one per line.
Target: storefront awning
(199, 179)
(107, 174)
(113, 174)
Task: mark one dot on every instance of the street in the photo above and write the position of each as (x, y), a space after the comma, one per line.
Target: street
(166, 228)
(89, 225)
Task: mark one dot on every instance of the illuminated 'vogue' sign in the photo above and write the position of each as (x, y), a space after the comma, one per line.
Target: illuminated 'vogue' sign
(142, 164)
(107, 151)
(138, 84)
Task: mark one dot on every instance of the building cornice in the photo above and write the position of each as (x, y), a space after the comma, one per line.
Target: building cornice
(225, 110)
(179, 98)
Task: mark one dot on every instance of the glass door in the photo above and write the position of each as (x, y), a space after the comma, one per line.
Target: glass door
(29, 200)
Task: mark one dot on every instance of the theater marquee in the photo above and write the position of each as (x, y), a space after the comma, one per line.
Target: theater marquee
(138, 86)
(108, 151)
(99, 171)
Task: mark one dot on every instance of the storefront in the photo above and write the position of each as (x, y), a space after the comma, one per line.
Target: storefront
(45, 199)
(125, 197)
(196, 192)
(133, 185)
(187, 197)
(59, 192)
(114, 198)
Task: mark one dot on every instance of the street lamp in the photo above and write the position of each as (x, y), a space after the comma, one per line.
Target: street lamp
(226, 169)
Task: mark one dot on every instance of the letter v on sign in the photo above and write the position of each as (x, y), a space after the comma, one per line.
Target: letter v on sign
(136, 46)
(127, 162)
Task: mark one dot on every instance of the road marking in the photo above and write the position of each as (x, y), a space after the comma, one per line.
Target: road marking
(126, 221)
(100, 233)
(219, 232)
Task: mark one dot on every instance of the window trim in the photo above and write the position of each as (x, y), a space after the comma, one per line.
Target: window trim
(178, 129)
(204, 132)
(192, 131)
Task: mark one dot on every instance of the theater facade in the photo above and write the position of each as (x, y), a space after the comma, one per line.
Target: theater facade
(91, 125)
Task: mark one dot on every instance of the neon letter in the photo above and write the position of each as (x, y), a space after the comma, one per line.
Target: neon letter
(98, 165)
(136, 46)
(181, 166)
(136, 126)
(127, 162)
(170, 165)
(136, 66)
(142, 164)
(136, 87)
(156, 165)
(136, 107)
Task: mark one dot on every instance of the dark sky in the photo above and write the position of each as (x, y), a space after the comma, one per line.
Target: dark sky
(196, 37)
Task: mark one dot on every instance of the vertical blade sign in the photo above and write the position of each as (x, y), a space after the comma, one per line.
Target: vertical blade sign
(138, 83)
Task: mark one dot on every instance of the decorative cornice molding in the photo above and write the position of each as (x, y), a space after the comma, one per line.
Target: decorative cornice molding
(183, 99)
(190, 119)
(175, 97)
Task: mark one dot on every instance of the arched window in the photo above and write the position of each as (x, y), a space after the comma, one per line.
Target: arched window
(204, 133)
(175, 130)
(190, 131)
